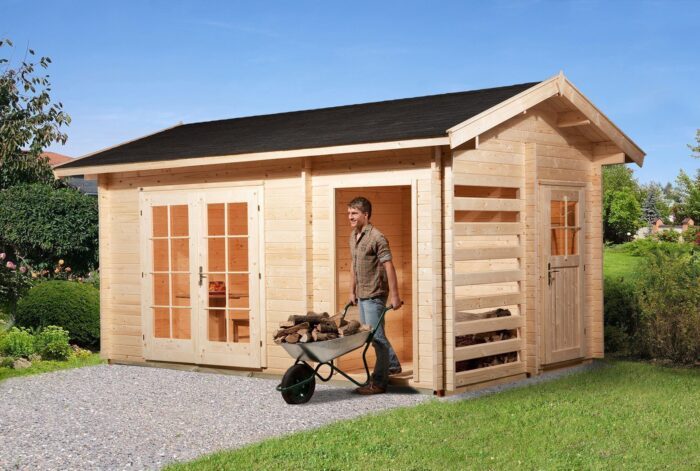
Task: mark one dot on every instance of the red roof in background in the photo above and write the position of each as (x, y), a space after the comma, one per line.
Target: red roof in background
(55, 159)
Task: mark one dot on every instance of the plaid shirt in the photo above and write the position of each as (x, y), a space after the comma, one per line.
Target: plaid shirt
(368, 254)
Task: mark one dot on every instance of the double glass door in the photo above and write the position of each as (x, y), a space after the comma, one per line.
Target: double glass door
(201, 274)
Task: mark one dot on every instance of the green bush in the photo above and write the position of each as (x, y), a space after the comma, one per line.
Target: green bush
(668, 292)
(52, 343)
(668, 236)
(17, 343)
(692, 235)
(45, 224)
(73, 306)
(621, 315)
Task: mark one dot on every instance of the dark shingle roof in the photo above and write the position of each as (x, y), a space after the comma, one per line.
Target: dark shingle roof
(393, 120)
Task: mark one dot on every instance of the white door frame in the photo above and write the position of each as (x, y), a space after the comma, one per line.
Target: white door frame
(156, 349)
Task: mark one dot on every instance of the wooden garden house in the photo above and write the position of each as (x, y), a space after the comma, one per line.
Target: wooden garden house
(213, 233)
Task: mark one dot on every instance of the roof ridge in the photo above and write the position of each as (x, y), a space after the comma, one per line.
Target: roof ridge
(284, 113)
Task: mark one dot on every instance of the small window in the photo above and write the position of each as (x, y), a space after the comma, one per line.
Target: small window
(565, 227)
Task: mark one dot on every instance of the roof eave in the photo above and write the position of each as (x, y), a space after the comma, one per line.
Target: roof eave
(252, 157)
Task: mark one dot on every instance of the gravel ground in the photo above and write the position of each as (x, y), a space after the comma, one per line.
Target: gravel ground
(128, 417)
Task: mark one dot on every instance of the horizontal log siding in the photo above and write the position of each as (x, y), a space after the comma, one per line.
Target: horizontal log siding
(551, 153)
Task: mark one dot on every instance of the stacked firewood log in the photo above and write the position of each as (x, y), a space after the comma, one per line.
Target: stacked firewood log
(315, 327)
(486, 337)
(492, 360)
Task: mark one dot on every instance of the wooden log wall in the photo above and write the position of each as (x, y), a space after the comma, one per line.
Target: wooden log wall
(494, 242)
(487, 251)
(120, 255)
(300, 266)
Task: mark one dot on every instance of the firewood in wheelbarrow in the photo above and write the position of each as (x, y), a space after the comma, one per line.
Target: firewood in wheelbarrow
(338, 320)
(304, 336)
(310, 318)
(292, 338)
(327, 327)
(291, 330)
(320, 336)
(352, 327)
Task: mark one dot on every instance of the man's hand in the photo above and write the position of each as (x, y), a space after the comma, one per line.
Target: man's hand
(353, 300)
(396, 302)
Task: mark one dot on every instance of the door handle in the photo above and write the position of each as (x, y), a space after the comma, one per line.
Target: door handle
(549, 274)
(201, 276)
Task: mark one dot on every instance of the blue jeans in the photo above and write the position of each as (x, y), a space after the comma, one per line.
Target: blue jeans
(370, 310)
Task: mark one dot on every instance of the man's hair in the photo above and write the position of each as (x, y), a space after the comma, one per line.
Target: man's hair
(361, 203)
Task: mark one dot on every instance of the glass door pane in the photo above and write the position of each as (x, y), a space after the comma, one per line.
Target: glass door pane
(227, 273)
(564, 227)
(172, 304)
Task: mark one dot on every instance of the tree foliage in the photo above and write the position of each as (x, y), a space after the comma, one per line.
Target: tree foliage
(29, 120)
(686, 196)
(622, 211)
(696, 148)
(655, 203)
(42, 224)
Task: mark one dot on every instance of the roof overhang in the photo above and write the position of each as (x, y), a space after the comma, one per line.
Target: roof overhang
(560, 86)
(619, 148)
(252, 157)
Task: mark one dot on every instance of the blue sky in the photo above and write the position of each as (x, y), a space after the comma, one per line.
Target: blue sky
(125, 69)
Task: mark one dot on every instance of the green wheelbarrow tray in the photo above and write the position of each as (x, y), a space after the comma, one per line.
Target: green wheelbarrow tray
(299, 382)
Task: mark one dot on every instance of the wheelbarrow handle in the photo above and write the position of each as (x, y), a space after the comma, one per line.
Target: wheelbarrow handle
(345, 310)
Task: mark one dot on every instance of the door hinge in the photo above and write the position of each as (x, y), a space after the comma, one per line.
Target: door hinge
(259, 276)
(261, 343)
(258, 207)
(143, 274)
(144, 337)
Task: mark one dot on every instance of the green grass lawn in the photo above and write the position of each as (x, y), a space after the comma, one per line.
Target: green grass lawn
(622, 416)
(47, 366)
(620, 264)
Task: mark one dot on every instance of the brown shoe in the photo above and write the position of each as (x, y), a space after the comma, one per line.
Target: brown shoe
(370, 389)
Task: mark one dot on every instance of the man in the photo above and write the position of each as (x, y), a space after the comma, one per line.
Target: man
(373, 279)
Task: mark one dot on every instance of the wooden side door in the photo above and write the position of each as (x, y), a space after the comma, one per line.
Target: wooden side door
(228, 278)
(167, 267)
(562, 212)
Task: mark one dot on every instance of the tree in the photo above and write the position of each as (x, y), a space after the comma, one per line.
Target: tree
(29, 121)
(41, 224)
(687, 197)
(696, 148)
(622, 197)
(655, 205)
(623, 216)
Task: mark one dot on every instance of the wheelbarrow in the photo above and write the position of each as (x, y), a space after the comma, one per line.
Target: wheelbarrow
(299, 382)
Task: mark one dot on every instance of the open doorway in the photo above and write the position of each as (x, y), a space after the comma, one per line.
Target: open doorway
(391, 214)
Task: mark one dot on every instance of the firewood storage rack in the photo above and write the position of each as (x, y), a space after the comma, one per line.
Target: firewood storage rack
(299, 381)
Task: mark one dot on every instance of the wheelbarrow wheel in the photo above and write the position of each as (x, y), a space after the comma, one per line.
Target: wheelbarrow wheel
(295, 375)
